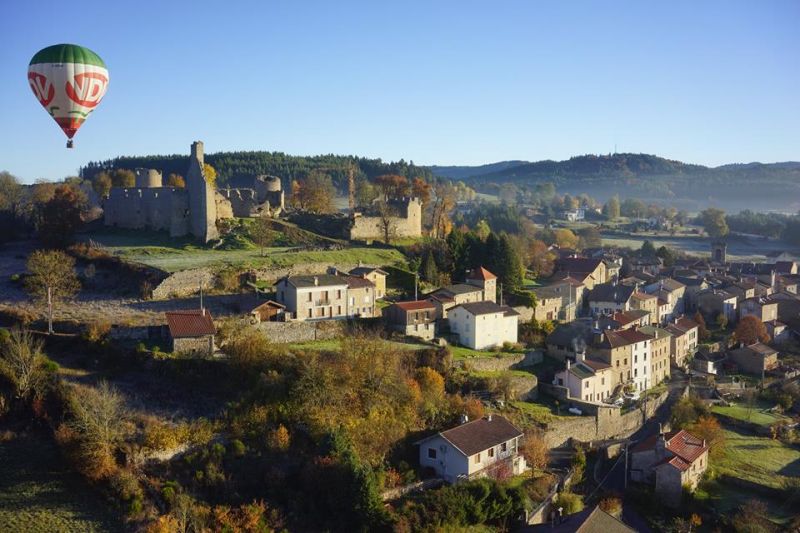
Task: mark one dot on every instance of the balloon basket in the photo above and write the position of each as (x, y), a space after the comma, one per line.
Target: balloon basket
(69, 143)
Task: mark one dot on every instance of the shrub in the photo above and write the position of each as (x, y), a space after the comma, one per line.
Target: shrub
(125, 485)
(158, 435)
(237, 448)
(571, 502)
(96, 331)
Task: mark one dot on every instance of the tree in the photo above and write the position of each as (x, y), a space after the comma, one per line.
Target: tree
(52, 279)
(709, 429)
(210, 173)
(176, 180)
(366, 193)
(261, 232)
(751, 330)
(430, 271)
(23, 363)
(482, 229)
(611, 209)
(666, 255)
(589, 238)
(98, 419)
(542, 261)
(647, 249)
(314, 194)
(702, 330)
(421, 189)
(714, 222)
(722, 321)
(101, 183)
(564, 238)
(60, 216)
(122, 177)
(393, 186)
(633, 208)
(535, 450)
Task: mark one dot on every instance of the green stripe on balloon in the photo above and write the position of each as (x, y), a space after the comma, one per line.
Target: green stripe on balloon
(67, 53)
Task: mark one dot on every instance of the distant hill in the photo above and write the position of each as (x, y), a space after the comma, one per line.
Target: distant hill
(758, 186)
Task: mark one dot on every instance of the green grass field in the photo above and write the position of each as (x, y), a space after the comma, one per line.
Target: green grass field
(758, 459)
(758, 415)
(158, 250)
(39, 494)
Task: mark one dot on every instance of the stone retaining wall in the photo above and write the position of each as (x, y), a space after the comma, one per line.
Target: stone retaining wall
(184, 283)
(501, 362)
(284, 332)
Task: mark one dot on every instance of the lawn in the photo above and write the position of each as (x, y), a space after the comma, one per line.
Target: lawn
(727, 499)
(739, 249)
(462, 352)
(39, 494)
(758, 459)
(541, 411)
(160, 251)
(757, 415)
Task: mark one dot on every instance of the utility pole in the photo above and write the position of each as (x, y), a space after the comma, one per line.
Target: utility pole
(49, 310)
(202, 310)
(416, 283)
(351, 187)
(626, 465)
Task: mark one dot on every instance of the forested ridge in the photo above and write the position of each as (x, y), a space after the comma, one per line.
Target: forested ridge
(233, 166)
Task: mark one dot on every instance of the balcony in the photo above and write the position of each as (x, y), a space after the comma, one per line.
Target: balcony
(319, 303)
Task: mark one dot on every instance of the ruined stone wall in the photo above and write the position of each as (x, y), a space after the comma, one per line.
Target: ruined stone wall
(499, 364)
(157, 208)
(202, 203)
(184, 283)
(283, 332)
(407, 224)
(243, 202)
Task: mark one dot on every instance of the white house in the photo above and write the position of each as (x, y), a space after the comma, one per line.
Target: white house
(482, 325)
(589, 380)
(484, 447)
(640, 359)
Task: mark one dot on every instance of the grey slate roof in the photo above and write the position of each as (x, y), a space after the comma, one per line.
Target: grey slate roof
(608, 292)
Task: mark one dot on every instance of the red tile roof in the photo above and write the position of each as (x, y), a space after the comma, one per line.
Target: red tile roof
(415, 305)
(481, 273)
(194, 323)
(684, 446)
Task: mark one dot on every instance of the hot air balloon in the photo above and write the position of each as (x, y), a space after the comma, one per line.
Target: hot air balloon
(69, 81)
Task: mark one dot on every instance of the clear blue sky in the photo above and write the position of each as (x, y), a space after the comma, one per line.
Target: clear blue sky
(436, 82)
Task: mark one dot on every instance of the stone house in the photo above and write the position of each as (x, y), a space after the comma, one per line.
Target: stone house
(714, 302)
(567, 340)
(481, 325)
(589, 380)
(645, 302)
(754, 359)
(660, 351)
(589, 271)
(672, 461)
(625, 320)
(590, 520)
(404, 220)
(485, 447)
(548, 305)
(480, 277)
(317, 297)
(609, 298)
(480, 286)
(683, 340)
(764, 309)
(568, 291)
(375, 275)
(672, 292)
(709, 362)
(415, 319)
(616, 351)
(191, 332)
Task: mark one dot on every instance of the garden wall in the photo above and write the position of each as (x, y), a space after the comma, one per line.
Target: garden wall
(284, 332)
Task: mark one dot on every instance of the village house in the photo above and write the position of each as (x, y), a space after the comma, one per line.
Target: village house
(613, 349)
(648, 265)
(481, 325)
(590, 520)
(587, 271)
(326, 297)
(670, 294)
(754, 359)
(571, 292)
(480, 286)
(488, 446)
(714, 302)
(709, 362)
(683, 340)
(645, 302)
(548, 306)
(567, 340)
(191, 332)
(764, 309)
(415, 319)
(588, 380)
(660, 351)
(609, 298)
(375, 275)
(624, 320)
(672, 461)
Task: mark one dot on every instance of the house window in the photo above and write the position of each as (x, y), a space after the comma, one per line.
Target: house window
(431, 453)
(491, 452)
(586, 386)
(602, 381)
(339, 294)
(309, 313)
(503, 447)
(477, 458)
(310, 296)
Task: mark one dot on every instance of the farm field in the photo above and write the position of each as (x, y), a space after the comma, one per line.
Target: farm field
(758, 415)
(157, 250)
(759, 459)
(739, 248)
(39, 494)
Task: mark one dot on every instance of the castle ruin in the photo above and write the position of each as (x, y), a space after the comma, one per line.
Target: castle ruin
(404, 221)
(193, 210)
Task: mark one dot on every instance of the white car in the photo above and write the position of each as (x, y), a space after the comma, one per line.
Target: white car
(632, 395)
(575, 411)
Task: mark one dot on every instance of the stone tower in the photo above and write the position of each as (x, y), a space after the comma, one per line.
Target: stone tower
(719, 252)
(202, 206)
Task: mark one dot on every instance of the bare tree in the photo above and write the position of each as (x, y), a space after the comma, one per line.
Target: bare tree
(261, 232)
(52, 279)
(387, 215)
(22, 362)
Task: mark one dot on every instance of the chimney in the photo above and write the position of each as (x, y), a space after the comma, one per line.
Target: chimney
(661, 446)
(489, 417)
(316, 281)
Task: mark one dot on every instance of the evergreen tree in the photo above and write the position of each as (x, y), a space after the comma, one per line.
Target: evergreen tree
(509, 265)
(647, 249)
(429, 270)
